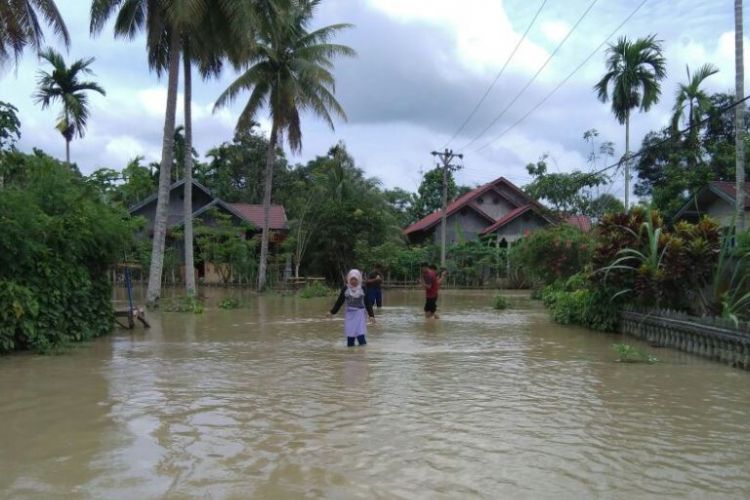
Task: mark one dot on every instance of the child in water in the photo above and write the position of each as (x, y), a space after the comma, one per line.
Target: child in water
(357, 304)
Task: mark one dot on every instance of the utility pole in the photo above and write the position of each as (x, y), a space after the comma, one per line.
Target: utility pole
(445, 157)
(739, 119)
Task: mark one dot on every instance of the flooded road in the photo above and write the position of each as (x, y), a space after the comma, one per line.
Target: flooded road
(267, 402)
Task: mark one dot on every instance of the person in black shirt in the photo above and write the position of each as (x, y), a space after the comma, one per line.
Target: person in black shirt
(374, 280)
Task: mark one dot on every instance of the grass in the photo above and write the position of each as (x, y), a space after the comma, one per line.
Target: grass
(628, 354)
(500, 302)
(316, 289)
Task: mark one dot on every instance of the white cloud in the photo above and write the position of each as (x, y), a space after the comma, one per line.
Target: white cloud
(481, 30)
(555, 31)
(124, 148)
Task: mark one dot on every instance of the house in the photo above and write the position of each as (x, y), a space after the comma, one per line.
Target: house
(717, 200)
(203, 203)
(497, 209)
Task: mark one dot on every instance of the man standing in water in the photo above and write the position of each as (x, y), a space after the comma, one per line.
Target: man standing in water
(431, 282)
(374, 280)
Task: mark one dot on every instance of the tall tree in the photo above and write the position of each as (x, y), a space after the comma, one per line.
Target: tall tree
(19, 26)
(634, 72)
(64, 84)
(289, 72)
(163, 48)
(690, 95)
(739, 114)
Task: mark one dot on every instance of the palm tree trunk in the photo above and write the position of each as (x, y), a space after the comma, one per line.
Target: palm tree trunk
(153, 291)
(270, 160)
(67, 151)
(627, 159)
(739, 116)
(188, 201)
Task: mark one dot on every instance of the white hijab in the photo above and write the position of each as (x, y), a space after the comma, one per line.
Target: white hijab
(354, 292)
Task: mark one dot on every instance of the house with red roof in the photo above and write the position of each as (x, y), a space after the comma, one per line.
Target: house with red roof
(497, 209)
(244, 215)
(717, 200)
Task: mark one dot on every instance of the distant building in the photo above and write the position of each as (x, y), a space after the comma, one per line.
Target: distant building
(203, 203)
(717, 200)
(498, 209)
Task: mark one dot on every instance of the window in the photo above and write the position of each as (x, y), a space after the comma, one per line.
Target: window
(480, 201)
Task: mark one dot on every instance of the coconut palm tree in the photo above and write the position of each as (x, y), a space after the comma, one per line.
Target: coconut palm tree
(634, 70)
(19, 26)
(289, 72)
(163, 47)
(692, 97)
(64, 84)
(739, 117)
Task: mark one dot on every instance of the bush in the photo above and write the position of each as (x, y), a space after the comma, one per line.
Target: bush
(57, 244)
(316, 289)
(500, 302)
(229, 303)
(553, 253)
(187, 303)
(579, 301)
(628, 354)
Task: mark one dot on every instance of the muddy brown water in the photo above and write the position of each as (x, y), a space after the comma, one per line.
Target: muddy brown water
(267, 402)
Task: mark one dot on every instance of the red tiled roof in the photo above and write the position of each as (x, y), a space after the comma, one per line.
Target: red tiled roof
(461, 202)
(254, 214)
(582, 222)
(729, 188)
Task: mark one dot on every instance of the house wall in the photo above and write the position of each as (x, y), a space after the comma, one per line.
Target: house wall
(511, 195)
(721, 211)
(519, 226)
(493, 205)
(464, 225)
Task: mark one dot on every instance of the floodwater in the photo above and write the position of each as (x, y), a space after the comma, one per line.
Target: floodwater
(267, 402)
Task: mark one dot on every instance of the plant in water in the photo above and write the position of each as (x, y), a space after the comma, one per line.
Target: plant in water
(500, 302)
(626, 353)
(315, 289)
(229, 303)
(188, 303)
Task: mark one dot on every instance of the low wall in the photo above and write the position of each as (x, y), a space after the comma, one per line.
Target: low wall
(714, 338)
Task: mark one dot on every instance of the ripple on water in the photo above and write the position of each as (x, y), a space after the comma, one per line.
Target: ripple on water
(269, 403)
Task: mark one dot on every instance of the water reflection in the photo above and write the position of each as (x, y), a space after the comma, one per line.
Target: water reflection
(267, 401)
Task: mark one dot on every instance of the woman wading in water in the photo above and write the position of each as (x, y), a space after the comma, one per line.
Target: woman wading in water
(358, 307)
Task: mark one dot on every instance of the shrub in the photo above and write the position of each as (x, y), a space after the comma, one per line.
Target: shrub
(626, 353)
(187, 303)
(229, 303)
(500, 302)
(580, 301)
(554, 253)
(57, 242)
(316, 289)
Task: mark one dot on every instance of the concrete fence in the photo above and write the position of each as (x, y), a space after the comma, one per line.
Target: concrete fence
(714, 338)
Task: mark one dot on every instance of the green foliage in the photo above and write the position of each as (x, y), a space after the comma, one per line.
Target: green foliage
(10, 126)
(57, 243)
(187, 303)
(430, 192)
(229, 303)
(223, 244)
(565, 192)
(656, 266)
(316, 289)
(581, 301)
(500, 302)
(552, 253)
(626, 353)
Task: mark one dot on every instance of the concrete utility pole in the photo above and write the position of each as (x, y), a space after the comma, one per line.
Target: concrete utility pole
(445, 157)
(739, 117)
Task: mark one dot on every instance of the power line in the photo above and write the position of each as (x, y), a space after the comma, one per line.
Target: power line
(577, 68)
(502, 70)
(644, 149)
(533, 78)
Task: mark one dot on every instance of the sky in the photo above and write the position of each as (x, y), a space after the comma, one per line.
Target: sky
(421, 68)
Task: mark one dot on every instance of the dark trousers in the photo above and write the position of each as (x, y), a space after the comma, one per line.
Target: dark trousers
(375, 296)
(360, 339)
